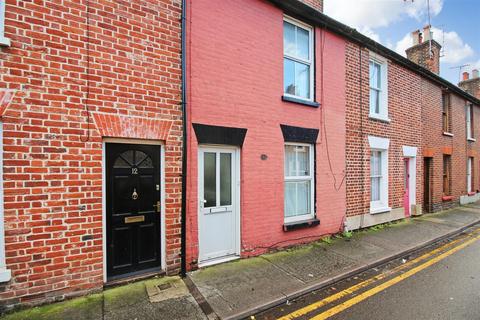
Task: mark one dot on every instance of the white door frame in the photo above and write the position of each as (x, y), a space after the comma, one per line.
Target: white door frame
(236, 198)
(411, 154)
(104, 197)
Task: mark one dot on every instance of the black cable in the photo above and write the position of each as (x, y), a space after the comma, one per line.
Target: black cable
(87, 108)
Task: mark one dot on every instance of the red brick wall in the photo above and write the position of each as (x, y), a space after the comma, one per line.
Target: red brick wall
(52, 177)
(236, 80)
(436, 144)
(317, 4)
(404, 111)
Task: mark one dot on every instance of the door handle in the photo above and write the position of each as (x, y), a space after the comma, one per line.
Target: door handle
(157, 206)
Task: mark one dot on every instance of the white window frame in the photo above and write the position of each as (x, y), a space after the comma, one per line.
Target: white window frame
(383, 103)
(469, 119)
(381, 145)
(310, 62)
(310, 178)
(469, 174)
(5, 274)
(3, 41)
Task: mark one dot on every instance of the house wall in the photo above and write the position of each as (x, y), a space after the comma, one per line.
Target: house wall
(236, 80)
(405, 114)
(53, 157)
(436, 144)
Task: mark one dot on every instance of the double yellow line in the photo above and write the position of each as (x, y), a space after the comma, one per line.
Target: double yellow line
(351, 302)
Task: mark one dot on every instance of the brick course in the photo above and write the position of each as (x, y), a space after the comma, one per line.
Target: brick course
(52, 174)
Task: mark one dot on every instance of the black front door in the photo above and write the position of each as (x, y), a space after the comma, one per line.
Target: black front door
(133, 208)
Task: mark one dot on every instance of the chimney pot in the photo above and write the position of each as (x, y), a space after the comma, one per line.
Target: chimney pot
(416, 37)
(427, 35)
(465, 76)
(475, 73)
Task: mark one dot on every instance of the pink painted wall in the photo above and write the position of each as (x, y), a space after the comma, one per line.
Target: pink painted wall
(235, 77)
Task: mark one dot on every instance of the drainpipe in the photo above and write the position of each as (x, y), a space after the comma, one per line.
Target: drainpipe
(183, 235)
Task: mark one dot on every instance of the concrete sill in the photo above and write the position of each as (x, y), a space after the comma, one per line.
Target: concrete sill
(5, 42)
(447, 198)
(307, 103)
(380, 210)
(5, 275)
(448, 134)
(301, 224)
(471, 139)
(379, 118)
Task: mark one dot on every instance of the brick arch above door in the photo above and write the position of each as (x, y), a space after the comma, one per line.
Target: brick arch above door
(116, 126)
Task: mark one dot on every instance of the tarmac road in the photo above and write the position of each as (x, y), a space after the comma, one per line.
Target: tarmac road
(441, 282)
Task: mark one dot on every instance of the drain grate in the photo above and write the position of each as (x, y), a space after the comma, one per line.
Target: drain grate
(164, 286)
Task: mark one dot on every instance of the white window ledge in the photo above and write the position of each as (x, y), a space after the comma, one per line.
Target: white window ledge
(5, 41)
(472, 139)
(380, 210)
(379, 118)
(5, 275)
(448, 134)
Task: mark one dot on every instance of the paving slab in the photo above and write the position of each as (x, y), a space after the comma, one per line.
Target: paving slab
(242, 284)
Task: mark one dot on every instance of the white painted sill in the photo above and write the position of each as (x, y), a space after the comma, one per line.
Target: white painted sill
(5, 42)
(379, 118)
(5, 275)
(448, 134)
(380, 210)
(471, 139)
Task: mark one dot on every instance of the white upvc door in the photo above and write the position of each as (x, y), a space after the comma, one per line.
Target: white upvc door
(218, 190)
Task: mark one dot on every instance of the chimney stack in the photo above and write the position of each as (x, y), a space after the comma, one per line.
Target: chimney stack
(471, 85)
(316, 4)
(425, 51)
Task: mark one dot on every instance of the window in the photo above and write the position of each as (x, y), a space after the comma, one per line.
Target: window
(3, 41)
(446, 112)
(379, 174)
(297, 59)
(470, 175)
(446, 174)
(299, 182)
(469, 118)
(378, 89)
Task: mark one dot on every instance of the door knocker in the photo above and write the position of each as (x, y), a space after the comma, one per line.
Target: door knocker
(134, 194)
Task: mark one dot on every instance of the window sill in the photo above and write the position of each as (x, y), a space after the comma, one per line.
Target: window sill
(301, 101)
(380, 210)
(448, 134)
(5, 275)
(447, 198)
(379, 118)
(290, 226)
(471, 139)
(471, 194)
(5, 42)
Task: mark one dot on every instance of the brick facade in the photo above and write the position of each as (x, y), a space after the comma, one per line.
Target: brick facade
(317, 4)
(53, 156)
(404, 112)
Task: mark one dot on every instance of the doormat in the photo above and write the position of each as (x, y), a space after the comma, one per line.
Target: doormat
(165, 289)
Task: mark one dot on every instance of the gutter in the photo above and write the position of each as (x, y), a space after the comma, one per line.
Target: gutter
(183, 235)
(306, 13)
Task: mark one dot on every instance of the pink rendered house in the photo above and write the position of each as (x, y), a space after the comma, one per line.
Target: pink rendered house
(266, 130)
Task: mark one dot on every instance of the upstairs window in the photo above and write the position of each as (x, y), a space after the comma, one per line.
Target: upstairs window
(299, 182)
(469, 118)
(378, 89)
(298, 63)
(3, 41)
(447, 167)
(446, 119)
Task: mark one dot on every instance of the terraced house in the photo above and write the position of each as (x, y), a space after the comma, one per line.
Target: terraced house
(92, 125)
(150, 137)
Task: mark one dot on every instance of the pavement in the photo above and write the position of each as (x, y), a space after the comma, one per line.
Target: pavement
(245, 287)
